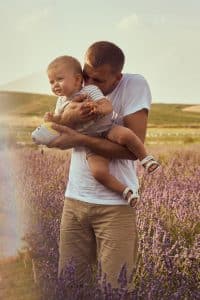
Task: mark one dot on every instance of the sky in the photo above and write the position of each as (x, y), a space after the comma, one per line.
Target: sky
(160, 39)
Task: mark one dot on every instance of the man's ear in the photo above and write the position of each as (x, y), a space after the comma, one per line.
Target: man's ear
(119, 76)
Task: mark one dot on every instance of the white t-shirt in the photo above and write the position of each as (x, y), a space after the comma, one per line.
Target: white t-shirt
(131, 94)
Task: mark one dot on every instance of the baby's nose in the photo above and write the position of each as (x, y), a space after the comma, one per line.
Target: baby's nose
(55, 84)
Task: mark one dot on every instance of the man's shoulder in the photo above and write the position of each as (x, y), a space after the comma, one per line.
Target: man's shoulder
(132, 84)
(134, 78)
(133, 91)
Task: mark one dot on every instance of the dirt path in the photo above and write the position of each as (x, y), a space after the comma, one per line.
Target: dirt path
(16, 280)
(194, 108)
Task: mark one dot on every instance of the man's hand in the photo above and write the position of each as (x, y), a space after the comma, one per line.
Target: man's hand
(69, 138)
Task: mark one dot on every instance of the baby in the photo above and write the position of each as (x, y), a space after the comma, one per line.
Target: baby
(65, 77)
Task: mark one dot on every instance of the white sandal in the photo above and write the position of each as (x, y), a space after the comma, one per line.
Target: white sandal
(132, 199)
(149, 161)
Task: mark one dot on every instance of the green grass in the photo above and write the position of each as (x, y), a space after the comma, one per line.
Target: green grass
(172, 115)
(154, 135)
(16, 281)
(168, 123)
(25, 104)
(162, 115)
(177, 135)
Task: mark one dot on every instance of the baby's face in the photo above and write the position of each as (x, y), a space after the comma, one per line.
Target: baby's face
(63, 81)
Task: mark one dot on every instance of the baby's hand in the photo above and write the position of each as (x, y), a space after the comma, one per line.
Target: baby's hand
(48, 117)
(91, 105)
(93, 110)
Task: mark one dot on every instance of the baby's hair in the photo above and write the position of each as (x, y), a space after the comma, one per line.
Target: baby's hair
(104, 52)
(70, 62)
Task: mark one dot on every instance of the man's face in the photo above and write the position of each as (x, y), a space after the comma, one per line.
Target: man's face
(102, 76)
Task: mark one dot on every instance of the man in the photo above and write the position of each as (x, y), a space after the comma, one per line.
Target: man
(97, 223)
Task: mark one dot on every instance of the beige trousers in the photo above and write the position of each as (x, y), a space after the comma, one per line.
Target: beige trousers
(91, 232)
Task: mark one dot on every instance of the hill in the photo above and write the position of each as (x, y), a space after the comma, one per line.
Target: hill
(33, 83)
(173, 115)
(193, 108)
(25, 104)
(17, 104)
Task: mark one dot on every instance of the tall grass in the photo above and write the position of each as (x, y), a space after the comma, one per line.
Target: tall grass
(168, 223)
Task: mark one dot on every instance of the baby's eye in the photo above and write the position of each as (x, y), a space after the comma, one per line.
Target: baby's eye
(60, 79)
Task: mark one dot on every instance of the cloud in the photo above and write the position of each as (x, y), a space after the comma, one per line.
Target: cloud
(128, 22)
(30, 20)
(141, 21)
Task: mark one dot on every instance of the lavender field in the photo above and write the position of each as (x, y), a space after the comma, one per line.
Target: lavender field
(168, 223)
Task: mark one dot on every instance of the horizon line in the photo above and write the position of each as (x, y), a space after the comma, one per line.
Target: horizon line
(163, 101)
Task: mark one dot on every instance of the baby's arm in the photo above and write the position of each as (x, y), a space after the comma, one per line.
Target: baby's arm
(103, 107)
(63, 118)
(95, 109)
(76, 113)
(100, 105)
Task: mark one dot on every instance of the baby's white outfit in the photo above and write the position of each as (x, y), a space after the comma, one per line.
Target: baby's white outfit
(44, 134)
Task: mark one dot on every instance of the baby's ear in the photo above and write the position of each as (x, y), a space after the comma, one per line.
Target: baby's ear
(79, 78)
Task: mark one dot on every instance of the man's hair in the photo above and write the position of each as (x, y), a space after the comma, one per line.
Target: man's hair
(104, 52)
(70, 62)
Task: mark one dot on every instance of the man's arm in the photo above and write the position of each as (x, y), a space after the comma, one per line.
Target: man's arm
(70, 138)
(137, 122)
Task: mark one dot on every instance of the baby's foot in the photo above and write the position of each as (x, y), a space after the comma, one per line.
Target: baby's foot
(44, 134)
(150, 164)
(131, 196)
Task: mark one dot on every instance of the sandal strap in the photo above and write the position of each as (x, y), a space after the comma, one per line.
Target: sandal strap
(125, 192)
(134, 196)
(151, 163)
(146, 159)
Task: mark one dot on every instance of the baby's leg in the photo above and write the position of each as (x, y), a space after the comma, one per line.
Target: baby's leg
(44, 134)
(126, 137)
(99, 167)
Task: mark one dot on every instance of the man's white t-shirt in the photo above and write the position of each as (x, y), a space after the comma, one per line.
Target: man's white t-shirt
(131, 95)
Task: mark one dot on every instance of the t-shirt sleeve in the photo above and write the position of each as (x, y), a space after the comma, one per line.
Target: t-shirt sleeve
(93, 91)
(137, 95)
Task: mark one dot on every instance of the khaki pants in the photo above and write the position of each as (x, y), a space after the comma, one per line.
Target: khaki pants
(92, 231)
